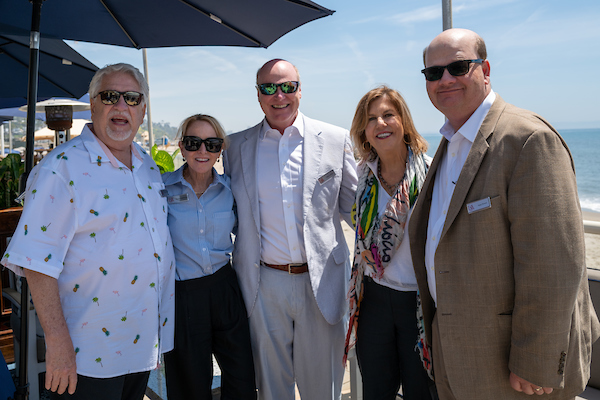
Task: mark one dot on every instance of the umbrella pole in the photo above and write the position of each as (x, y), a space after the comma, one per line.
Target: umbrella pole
(447, 14)
(22, 392)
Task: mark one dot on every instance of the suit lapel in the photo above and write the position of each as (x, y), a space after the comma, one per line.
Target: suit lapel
(473, 162)
(311, 160)
(249, 151)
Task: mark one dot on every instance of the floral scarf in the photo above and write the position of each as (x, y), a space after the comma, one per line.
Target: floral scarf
(378, 238)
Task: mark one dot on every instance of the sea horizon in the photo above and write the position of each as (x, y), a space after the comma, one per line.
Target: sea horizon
(584, 144)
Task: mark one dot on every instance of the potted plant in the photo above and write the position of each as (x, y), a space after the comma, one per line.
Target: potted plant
(11, 169)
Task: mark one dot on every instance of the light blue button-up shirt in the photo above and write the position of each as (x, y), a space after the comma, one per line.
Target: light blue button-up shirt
(200, 227)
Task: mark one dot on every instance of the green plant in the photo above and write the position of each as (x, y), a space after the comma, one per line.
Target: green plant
(163, 159)
(11, 169)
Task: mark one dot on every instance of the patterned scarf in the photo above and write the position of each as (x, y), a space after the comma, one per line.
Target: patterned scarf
(378, 238)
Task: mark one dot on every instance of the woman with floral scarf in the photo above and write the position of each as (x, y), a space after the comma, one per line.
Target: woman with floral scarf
(383, 288)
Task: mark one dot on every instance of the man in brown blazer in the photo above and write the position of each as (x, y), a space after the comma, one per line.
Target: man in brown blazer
(497, 242)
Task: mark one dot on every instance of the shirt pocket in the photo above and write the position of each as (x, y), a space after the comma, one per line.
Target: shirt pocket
(223, 223)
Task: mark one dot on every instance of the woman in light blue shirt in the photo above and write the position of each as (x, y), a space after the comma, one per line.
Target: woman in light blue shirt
(210, 315)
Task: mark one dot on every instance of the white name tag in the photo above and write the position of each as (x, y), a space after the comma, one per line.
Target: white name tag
(326, 177)
(180, 198)
(479, 205)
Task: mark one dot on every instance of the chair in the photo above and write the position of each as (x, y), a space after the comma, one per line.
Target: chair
(36, 352)
(356, 390)
(36, 347)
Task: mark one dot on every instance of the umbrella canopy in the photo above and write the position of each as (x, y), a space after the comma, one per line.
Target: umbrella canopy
(41, 115)
(41, 106)
(48, 134)
(164, 23)
(63, 71)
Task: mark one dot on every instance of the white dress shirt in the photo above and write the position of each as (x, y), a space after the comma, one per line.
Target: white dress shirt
(280, 193)
(447, 174)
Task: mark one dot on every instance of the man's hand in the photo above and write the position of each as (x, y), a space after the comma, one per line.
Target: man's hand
(521, 385)
(61, 367)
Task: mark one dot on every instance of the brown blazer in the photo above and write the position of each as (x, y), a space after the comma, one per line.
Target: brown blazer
(511, 280)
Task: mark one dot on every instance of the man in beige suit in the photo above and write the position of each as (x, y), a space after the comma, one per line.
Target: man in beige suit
(497, 242)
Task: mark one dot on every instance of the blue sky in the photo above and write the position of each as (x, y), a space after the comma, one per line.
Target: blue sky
(543, 56)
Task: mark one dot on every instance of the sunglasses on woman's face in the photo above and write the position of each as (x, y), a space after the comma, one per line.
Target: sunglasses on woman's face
(271, 88)
(111, 97)
(457, 68)
(193, 143)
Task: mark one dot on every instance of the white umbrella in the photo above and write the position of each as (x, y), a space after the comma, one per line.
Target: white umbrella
(48, 134)
(40, 107)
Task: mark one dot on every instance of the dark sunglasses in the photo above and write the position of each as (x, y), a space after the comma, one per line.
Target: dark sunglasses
(271, 88)
(110, 97)
(457, 68)
(193, 143)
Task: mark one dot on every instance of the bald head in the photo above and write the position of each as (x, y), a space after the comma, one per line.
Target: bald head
(458, 35)
(281, 109)
(457, 97)
(269, 65)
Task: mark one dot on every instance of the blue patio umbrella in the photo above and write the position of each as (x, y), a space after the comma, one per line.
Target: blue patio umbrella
(63, 71)
(163, 23)
(147, 24)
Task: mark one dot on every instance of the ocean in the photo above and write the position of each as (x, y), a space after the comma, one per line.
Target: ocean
(585, 148)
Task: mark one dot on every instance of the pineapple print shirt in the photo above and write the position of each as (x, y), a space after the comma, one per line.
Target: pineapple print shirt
(101, 230)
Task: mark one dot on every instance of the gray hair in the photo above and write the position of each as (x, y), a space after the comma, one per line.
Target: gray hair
(123, 68)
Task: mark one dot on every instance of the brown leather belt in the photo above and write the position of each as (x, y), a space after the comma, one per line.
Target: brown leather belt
(291, 268)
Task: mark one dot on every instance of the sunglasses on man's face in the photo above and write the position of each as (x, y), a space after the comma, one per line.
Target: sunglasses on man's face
(193, 143)
(457, 68)
(271, 88)
(111, 97)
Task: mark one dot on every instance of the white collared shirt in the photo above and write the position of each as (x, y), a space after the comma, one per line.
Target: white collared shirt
(280, 193)
(446, 176)
(100, 229)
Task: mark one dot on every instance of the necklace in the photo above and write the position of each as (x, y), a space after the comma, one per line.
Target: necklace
(204, 185)
(389, 188)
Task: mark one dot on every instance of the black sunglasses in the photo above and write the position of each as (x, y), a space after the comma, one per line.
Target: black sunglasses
(271, 88)
(193, 143)
(456, 68)
(110, 97)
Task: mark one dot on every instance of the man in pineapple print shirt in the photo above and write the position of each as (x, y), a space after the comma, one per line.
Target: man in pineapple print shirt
(94, 246)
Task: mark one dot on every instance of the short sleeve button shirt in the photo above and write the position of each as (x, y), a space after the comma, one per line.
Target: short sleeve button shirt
(101, 230)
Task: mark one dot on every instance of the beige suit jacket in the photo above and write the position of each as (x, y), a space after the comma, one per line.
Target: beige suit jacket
(512, 290)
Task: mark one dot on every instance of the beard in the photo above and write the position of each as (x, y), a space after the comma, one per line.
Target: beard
(119, 135)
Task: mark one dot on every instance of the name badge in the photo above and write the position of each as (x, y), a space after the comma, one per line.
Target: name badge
(479, 205)
(164, 193)
(180, 198)
(326, 177)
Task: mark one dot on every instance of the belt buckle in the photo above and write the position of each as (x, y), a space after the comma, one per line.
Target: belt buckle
(290, 266)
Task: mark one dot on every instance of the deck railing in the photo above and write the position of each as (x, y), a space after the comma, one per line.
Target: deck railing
(591, 227)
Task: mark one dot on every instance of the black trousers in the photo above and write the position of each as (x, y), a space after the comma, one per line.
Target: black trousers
(210, 318)
(385, 347)
(124, 387)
